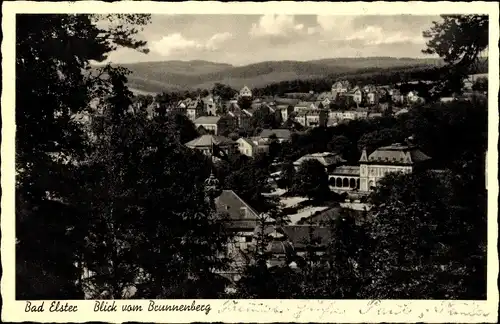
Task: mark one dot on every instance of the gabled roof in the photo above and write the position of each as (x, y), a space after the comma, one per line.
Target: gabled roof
(208, 139)
(349, 170)
(245, 89)
(305, 104)
(207, 120)
(298, 235)
(280, 133)
(323, 217)
(397, 154)
(247, 140)
(287, 101)
(195, 103)
(343, 83)
(241, 215)
(326, 158)
(354, 90)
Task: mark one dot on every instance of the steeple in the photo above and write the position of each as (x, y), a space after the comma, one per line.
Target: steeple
(212, 189)
(212, 184)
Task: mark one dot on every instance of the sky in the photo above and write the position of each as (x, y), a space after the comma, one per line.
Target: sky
(246, 39)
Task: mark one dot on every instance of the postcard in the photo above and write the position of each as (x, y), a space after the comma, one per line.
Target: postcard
(249, 162)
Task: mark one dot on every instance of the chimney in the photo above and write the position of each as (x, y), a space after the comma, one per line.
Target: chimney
(243, 212)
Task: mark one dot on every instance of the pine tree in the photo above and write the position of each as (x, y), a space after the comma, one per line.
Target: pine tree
(54, 86)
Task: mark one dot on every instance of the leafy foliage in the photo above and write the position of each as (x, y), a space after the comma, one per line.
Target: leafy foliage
(52, 88)
(311, 180)
(417, 236)
(459, 40)
(92, 174)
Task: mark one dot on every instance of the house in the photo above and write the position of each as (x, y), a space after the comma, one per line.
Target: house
(214, 124)
(396, 96)
(328, 159)
(301, 95)
(326, 98)
(374, 115)
(372, 97)
(369, 88)
(383, 94)
(447, 99)
(298, 236)
(324, 217)
(245, 92)
(240, 220)
(344, 178)
(401, 112)
(283, 135)
(393, 158)
(361, 113)
(286, 101)
(205, 144)
(312, 118)
(241, 118)
(284, 111)
(252, 147)
(195, 109)
(356, 94)
(211, 104)
(412, 97)
(305, 105)
(340, 87)
(181, 107)
(256, 105)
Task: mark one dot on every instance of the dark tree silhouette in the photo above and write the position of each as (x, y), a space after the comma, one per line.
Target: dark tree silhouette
(459, 40)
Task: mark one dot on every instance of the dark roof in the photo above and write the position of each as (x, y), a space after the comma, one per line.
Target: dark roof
(194, 103)
(280, 133)
(398, 154)
(322, 218)
(298, 235)
(237, 209)
(287, 101)
(352, 170)
(208, 139)
(325, 158)
(246, 225)
(280, 247)
(207, 120)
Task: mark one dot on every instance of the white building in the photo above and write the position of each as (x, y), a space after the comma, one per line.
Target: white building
(245, 92)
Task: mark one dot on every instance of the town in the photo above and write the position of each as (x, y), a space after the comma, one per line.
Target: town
(220, 123)
(334, 187)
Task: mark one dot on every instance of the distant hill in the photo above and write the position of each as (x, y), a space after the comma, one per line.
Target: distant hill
(188, 75)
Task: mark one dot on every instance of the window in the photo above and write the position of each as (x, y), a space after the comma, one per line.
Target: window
(248, 239)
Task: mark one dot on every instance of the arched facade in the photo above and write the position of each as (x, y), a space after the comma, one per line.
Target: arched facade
(344, 182)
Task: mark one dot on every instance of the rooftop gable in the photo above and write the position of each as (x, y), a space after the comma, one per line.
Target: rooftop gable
(237, 209)
(280, 133)
(207, 120)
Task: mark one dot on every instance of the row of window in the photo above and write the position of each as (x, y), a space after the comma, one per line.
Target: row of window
(344, 182)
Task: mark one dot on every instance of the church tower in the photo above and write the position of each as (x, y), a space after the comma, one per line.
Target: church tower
(363, 171)
(212, 189)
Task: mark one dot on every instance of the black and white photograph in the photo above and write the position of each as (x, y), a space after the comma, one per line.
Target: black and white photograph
(251, 156)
